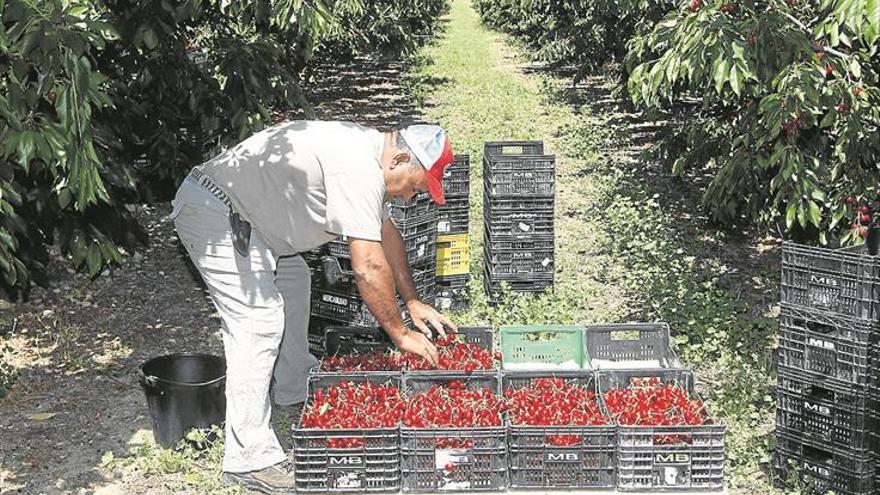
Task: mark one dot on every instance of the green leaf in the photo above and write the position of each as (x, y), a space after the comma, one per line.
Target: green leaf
(790, 214)
(94, 261)
(814, 213)
(855, 68)
(26, 150)
(735, 80)
(150, 39)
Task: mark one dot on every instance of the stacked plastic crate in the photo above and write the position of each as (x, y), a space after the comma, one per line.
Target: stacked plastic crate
(453, 245)
(826, 393)
(615, 452)
(518, 200)
(335, 299)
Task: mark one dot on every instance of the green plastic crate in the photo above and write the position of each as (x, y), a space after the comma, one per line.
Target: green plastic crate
(543, 347)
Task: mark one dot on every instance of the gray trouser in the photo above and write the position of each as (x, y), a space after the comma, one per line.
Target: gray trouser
(263, 302)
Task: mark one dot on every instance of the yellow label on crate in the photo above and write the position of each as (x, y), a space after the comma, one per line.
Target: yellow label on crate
(453, 255)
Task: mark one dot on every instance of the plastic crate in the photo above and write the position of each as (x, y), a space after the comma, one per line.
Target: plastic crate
(647, 460)
(630, 346)
(829, 469)
(531, 243)
(374, 467)
(827, 348)
(336, 275)
(515, 175)
(453, 255)
(535, 463)
(452, 295)
(356, 340)
(542, 347)
(516, 273)
(825, 413)
(419, 248)
(317, 335)
(515, 262)
(418, 207)
(518, 223)
(344, 309)
(529, 286)
(841, 281)
(456, 177)
(481, 465)
(512, 148)
(453, 221)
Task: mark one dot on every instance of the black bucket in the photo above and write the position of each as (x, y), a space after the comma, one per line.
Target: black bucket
(184, 391)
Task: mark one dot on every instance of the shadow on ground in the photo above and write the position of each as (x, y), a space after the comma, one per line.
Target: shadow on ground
(77, 344)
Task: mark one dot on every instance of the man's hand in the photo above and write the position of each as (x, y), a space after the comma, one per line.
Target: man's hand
(417, 344)
(423, 315)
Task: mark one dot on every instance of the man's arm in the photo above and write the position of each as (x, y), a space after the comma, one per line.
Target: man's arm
(422, 314)
(375, 285)
(395, 253)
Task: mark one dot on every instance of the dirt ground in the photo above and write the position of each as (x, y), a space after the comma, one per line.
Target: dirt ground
(77, 345)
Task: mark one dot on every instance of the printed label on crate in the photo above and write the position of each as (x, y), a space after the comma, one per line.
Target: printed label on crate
(822, 344)
(448, 462)
(672, 458)
(817, 408)
(346, 471)
(573, 456)
(672, 469)
(823, 291)
(524, 227)
(817, 469)
(346, 479)
(339, 301)
(444, 226)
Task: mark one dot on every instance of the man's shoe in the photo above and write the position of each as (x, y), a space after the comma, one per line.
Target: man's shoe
(272, 480)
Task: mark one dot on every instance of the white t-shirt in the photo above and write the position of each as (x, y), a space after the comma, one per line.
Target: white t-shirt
(303, 183)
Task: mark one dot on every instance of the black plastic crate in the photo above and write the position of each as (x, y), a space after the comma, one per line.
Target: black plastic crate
(453, 221)
(492, 149)
(336, 275)
(530, 243)
(316, 335)
(824, 413)
(494, 288)
(515, 175)
(346, 340)
(829, 468)
(452, 294)
(512, 263)
(827, 347)
(496, 276)
(630, 345)
(664, 458)
(536, 463)
(477, 456)
(344, 309)
(456, 177)
(418, 207)
(374, 467)
(419, 248)
(518, 224)
(845, 282)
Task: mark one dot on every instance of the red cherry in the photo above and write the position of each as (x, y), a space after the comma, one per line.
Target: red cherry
(829, 69)
(864, 209)
(863, 232)
(449, 467)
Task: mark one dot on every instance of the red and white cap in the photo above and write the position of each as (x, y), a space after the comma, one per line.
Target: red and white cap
(430, 145)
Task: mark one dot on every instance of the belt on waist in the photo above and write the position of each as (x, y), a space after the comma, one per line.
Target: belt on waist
(209, 184)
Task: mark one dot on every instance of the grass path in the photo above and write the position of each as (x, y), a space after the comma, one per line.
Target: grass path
(483, 96)
(631, 244)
